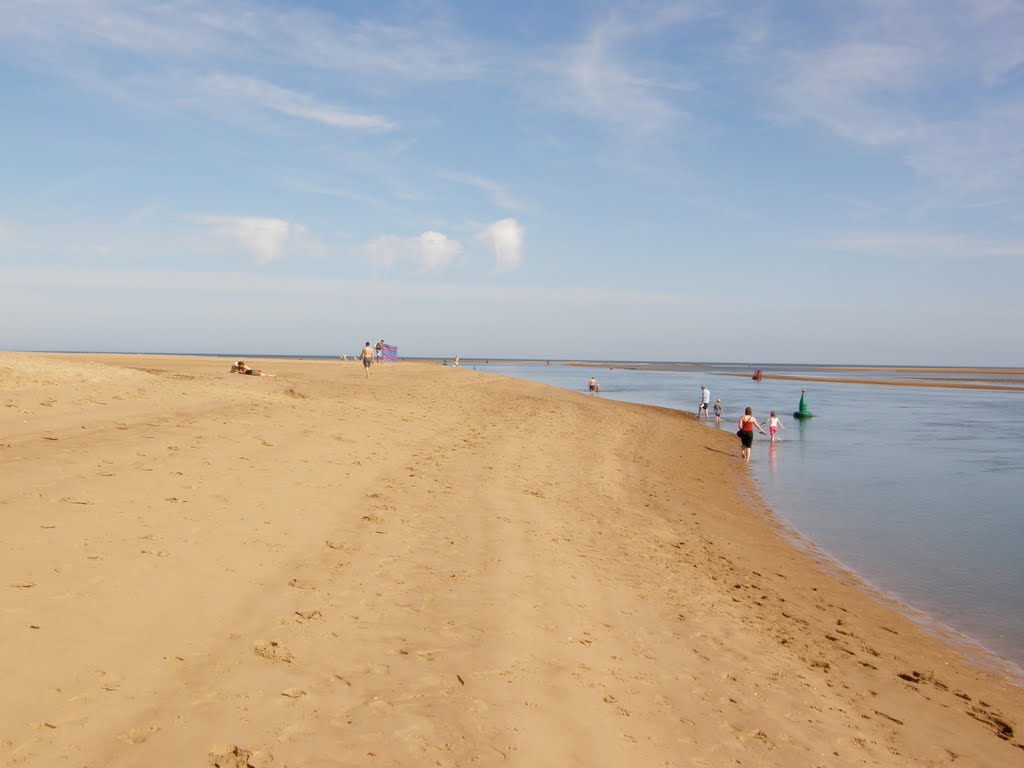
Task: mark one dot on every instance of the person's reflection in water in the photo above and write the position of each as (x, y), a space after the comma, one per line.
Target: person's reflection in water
(771, 457)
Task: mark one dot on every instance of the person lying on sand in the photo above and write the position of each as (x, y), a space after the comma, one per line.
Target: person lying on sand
(241, 367)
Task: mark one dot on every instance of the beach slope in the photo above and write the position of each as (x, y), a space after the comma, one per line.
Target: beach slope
(430, 567)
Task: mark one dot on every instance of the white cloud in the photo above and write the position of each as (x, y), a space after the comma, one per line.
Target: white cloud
(290, 103)
(505, 239)
(431, 251)
(264, 238)
(436, 250)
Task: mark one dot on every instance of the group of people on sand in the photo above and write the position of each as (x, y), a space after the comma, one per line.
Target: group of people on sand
(239, 366)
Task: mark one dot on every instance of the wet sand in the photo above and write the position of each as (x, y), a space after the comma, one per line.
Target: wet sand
(431, 567)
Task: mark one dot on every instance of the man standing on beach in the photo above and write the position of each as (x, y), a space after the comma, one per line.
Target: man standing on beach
(705, 400)
(367, 357)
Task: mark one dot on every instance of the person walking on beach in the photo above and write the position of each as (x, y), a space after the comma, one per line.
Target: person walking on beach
(705, 401)
(746, 433)
(774, 425)
(367, 357)
(718, 412)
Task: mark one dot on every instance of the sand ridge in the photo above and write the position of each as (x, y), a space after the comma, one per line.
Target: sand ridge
(432, 567)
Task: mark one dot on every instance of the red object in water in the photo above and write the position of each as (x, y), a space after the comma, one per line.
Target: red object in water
(757, 375)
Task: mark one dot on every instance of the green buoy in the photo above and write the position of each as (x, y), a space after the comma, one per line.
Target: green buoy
(802, 412)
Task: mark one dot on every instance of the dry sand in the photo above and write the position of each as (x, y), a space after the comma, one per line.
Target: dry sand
(434, 567)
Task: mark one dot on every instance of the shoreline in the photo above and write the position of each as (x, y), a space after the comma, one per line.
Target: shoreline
(435, 564)
(973, 650)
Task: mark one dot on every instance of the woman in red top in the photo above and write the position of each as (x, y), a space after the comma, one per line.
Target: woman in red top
(746, 433)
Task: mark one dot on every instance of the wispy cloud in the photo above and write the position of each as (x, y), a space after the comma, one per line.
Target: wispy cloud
(429, 252)
(213, 57)
(263, 238)
(925, 245)
(290, 103)
(887, 75)
(605, 86)
(425, 49)
(844, 88)
(606, 76)
(505, 240)
(499, 196)
(332, 191)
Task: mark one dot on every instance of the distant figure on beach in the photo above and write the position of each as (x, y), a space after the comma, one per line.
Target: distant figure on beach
(774, 425)
(746, 433)
(380, 351)
(593, 386)
(367, 357)
(705, 401)
(241, 367)
(455, 361)
(718, 411)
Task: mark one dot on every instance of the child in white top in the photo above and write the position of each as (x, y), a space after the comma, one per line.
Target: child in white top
(774, 425)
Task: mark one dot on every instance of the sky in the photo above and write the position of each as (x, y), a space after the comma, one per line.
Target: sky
(560, 179)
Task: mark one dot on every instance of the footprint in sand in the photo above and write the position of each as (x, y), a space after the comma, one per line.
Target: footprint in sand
(274, 651)
(138, 735)
(230, 756)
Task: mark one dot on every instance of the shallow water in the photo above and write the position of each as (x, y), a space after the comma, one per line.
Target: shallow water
(917, 490)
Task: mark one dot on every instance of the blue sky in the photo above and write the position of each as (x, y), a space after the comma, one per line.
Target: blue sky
(732, 181)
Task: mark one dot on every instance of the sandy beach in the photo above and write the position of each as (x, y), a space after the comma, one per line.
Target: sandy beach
(432, 567)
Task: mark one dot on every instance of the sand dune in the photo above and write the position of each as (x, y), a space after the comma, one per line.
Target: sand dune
(433, 567)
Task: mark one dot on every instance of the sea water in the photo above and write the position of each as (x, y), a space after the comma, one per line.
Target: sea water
(917, 490)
